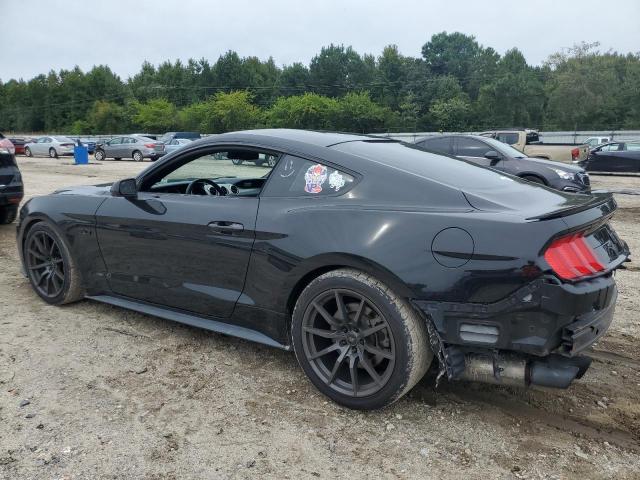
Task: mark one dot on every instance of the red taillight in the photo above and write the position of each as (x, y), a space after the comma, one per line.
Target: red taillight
(571, 257)
(7, 147)
(150, 145)
(575, 153)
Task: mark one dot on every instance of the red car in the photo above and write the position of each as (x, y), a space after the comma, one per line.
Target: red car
(19, 144)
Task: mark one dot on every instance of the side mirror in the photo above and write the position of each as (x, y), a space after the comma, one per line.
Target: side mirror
(493, 156)
(125, 188)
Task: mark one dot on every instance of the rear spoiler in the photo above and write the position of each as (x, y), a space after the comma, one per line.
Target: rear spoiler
(604, 201)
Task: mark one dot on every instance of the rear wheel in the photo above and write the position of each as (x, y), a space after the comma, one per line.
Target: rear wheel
(99, 155)
(358, 342)
(51, 269)
(271, 161)
(27, 152)
(235, 161)
(53, 153)
(8, 214)
(137, 156)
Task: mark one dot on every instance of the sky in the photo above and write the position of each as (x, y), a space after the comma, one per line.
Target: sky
(39, 35)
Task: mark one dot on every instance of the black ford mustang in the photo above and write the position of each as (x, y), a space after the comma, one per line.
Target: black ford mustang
(372, 259)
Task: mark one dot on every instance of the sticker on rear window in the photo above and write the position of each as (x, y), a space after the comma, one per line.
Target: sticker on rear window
(314, 178)
(336, 180)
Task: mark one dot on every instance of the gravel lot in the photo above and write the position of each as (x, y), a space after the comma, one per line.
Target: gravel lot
(93, 391)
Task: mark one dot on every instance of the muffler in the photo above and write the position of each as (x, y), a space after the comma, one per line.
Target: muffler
(509, 369)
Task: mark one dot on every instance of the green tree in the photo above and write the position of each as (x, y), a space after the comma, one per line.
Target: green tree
(308, 111)
(356, 112)
(157, 115)
(104, 118)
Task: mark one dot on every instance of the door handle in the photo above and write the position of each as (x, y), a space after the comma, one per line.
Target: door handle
(226, 227)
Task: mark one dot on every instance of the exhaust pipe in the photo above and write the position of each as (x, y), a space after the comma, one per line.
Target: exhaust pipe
(553, 371)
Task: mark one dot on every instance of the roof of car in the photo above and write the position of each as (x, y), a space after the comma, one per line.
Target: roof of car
(314, 137)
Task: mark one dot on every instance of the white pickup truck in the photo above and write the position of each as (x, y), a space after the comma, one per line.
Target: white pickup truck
(528, 142)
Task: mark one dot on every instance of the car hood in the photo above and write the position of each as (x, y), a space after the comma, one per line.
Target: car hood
(552, 164)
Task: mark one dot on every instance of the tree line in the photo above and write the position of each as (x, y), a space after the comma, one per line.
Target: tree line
(456, 84)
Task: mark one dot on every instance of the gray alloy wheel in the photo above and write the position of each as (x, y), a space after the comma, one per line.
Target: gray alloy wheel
(137, 156)
(271, 161)
(53, 153)
(358, 342)
(51, 269)
(27, 152)
(99, 155)
(235, 161)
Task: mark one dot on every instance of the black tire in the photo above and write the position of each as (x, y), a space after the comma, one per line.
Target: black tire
(235, 161)
(533, 179)
(137, 156)
(63, 274)
(53, 153)
(382, 332)
(27, 152)
(8, 214)
(99, 155)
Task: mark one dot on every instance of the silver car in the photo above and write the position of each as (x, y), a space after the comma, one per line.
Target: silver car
(52, 146)
(135, 147)
(176, 143)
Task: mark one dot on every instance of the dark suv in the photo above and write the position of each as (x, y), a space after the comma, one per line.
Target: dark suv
(11, 189)
(500, 156)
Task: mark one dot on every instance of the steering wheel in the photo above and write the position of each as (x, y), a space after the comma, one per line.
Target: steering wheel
(216, 189)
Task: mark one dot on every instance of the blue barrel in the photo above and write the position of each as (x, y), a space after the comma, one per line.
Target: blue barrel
(81, 154)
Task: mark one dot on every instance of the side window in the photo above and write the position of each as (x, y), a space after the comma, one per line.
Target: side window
(297, 177)
(470, 147)
(612, 147)
(115, 141)
(633, 146)
(238, 172)
(508, 138)
(438, 144)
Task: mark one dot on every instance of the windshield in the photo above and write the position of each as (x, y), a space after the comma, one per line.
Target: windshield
(503, 148)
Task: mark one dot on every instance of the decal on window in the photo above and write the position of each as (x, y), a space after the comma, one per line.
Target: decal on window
(336, 180)
(314, 178)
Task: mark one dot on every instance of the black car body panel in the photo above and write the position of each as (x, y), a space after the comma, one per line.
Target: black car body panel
(473, 148)
(615, 157)
(465, 244)
(11, 187)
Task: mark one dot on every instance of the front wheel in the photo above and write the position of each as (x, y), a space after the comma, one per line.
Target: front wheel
(137, 156)
(27, 152)
(359, 343)
(99, 155)
(52, 270)
(53, 153)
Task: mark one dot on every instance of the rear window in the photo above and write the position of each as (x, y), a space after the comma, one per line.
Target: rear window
(509, 138)
(437, 144)
(413, 159)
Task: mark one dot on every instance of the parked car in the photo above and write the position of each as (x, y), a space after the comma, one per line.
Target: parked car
(167, 137)
(90, 144)
(528, 142)
(175, 144)
(11, 188)
(492, 153)
(134, 147)
(370, 258)
(614, 157)
(259, 159)
(593, 142)
(51, 146)
(19, 143)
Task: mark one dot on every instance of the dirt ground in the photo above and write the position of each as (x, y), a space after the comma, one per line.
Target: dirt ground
(93, 391)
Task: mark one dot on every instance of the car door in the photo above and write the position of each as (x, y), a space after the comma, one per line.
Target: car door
(112, 147)
(604, 158)
(189, 252)
(129, 144)
(43, 146)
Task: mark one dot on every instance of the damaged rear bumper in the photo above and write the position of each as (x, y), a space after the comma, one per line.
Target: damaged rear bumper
(533, 336)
